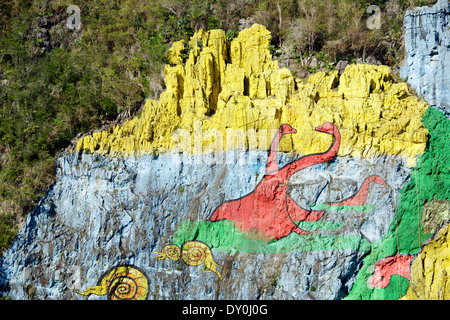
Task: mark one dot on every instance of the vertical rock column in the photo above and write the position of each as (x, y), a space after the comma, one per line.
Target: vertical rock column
(427, 45)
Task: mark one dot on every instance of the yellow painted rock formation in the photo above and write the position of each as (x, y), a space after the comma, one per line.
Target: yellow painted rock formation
(430, 271)
(236, 86)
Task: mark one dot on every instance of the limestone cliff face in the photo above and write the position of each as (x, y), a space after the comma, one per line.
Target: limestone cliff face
(427, 43)
(105, 212)
(236, 85)
(311, 181)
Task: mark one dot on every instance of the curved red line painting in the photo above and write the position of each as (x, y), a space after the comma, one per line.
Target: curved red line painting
(268, 209)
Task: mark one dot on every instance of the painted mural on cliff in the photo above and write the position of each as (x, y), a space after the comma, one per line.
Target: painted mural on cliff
(292, 183)
(121, 283)
(268, 213)
(269, 209)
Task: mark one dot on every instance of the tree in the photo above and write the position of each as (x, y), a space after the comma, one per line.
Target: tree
(198, 14)
(312, 12)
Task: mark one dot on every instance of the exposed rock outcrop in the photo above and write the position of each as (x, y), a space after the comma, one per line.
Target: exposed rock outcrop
(106, 211)
(237, 85)
(128, 192)
(427, 45)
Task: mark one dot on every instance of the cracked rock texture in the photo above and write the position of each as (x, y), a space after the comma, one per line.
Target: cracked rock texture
(427, 45)
(125, 193)
(236, 85)
(106, 211)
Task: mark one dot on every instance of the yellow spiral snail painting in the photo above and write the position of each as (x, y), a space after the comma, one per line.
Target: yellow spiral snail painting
(121, 283)
(194, 253)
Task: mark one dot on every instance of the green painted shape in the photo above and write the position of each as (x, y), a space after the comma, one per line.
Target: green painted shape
(341, 207)
(224, 237)
(397, 287)
(319, 225)
(430, 179)
(218, 235)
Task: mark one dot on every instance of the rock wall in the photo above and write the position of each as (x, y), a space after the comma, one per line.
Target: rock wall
(276, 187)
(123, 210)
(235, 85)
(427, 43)
(421, 214)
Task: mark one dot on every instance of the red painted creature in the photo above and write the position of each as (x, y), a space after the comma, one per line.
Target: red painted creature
(384, 269)
(269, 209)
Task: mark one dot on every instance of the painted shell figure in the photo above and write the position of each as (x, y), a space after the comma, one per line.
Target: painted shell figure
(194, 253)
(121, 283)
(170, 251)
